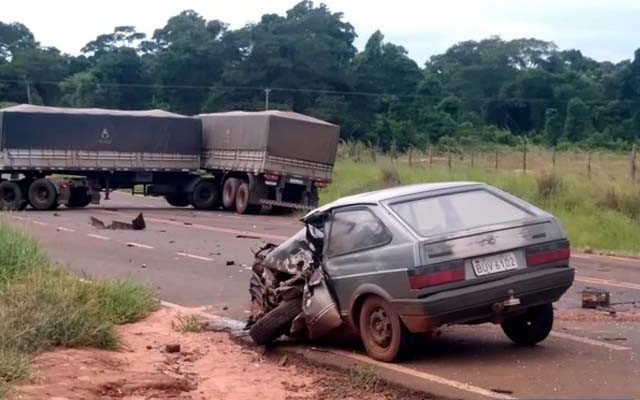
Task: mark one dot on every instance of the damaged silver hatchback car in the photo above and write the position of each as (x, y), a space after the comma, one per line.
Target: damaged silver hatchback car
(403, 261)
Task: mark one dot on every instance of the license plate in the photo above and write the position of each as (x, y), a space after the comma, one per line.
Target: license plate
(296, 181)
(494, 264)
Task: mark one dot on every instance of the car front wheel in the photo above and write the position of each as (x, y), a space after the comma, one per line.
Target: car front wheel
(382, 332)
(531, 327)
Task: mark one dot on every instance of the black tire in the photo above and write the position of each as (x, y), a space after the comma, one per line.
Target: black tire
(177, 199)
(229, 191)
(43, 194)
(531, 327)
(383, 334)
(205, 195)
(242, 201)
(276, 322)
(11, 196)
(79, 200)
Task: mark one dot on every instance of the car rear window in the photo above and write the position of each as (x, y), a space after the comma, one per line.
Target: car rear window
(457, 211)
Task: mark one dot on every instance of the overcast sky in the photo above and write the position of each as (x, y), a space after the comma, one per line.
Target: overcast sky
(604, 30)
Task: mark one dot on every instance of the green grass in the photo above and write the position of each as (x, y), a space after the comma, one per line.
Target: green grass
(187, 323)
(601, 213)
(42, 306)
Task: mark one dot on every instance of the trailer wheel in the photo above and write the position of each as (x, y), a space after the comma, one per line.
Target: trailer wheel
(229, 193)
(10, 196)
(177, 199)
(42, 194)
(242, 201)
(205, 195)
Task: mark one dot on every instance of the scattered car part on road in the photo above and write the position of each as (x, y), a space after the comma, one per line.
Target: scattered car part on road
(137, 224)
(595, 298)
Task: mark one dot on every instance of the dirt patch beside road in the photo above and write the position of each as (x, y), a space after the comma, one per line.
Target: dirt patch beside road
(208, 365)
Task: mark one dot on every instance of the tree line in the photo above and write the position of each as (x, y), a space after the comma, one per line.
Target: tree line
(491, 91)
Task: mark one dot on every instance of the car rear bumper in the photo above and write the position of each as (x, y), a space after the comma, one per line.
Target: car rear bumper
(484, 302)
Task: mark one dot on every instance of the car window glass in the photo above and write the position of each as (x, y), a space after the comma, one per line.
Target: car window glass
(353, 230)
(447, 213)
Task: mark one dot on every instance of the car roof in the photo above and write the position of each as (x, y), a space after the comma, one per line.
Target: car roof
(377, 196)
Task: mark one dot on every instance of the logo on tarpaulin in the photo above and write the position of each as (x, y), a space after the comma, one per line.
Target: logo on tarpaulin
(105, 136)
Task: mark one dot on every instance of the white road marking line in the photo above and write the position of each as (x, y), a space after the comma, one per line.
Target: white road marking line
(93, 235)
(143, 246)
(607, 282)
(194, 256)
(424, 375)
(585, 340)
(40, 223)
(62, 228)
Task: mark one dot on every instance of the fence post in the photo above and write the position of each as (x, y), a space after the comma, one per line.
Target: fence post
(472, 158)
(496, 164)
(634, 168)
(374, 149)
(553, 157)
(411, 156)
(589, 164)
(524, 156)
(430, 155)
(449, 158)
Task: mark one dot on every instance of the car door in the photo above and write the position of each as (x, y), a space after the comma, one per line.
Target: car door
(360, 249)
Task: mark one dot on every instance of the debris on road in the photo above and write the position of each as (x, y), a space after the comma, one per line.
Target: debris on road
(230, 262)
(137, 224)
(172, 348)
(143, 266)
(502, 391)
(283, 361)
(595, 298)
(246, 236)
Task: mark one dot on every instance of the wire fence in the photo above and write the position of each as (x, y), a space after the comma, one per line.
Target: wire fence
(616, 167)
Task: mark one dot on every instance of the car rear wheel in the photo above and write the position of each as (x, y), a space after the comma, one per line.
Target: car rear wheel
(531, 327)
(382, 332)
(229, 191)
(42, 194)
(276, 322)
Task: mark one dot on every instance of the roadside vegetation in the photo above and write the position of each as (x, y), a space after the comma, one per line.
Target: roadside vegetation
(599, 207)
(42, 306)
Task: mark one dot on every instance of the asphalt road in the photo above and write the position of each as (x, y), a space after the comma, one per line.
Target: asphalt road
(202, 259)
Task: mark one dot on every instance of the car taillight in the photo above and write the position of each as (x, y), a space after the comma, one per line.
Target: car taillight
(436, 275)
(271, 177)
(320, 184)
(548, 253)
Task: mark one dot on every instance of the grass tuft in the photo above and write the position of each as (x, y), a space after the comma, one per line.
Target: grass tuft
(549, 184)
(187, 323)
(364, 377)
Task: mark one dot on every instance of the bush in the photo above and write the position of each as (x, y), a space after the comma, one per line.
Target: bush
(389, 176)
(549, 184)
(626, 202)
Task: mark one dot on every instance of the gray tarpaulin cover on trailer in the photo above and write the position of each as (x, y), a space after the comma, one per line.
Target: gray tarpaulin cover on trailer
(154, 131)
(279, 133)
